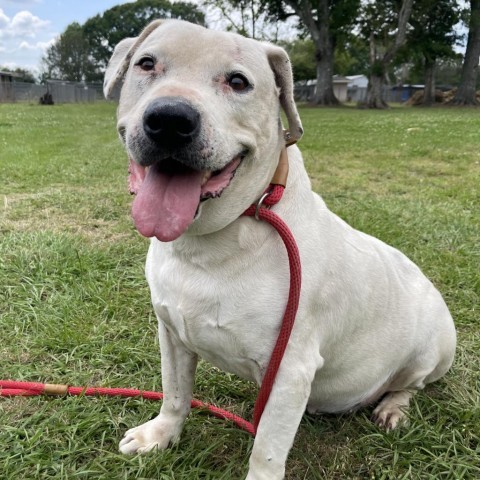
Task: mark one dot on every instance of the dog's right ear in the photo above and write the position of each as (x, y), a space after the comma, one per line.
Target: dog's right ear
(282, 69)
(120, 60)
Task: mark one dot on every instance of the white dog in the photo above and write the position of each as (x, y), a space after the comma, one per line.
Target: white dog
(199, 114)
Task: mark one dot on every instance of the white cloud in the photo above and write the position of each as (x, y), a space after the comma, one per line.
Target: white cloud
(4, 20)
(26, 46)
(23, 24)
(35, 46)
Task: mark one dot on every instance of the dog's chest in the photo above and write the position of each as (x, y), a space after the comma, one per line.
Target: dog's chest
(228, 319)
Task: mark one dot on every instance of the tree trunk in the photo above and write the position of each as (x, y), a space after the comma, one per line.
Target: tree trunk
(379, 65)
(324, 94)
(375, 92)
(376, 79)
(429, 92)
(319, 28)
(466, 91)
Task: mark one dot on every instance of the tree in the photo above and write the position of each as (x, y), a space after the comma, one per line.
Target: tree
(69, 58)
(351, 57)
(432, 37)
(81, 53)
(106, 30)
(384, 24)
(250, 18)
(465, 94)
(23, 74)
(449, 70)
(302, 56)
(328, 22)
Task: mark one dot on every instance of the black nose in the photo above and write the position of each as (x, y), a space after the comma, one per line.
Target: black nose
(171, 122)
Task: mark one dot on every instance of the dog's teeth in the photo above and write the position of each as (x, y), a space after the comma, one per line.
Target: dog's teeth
(206, 177)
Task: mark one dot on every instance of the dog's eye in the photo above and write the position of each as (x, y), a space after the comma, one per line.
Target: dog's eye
(146, 64)
(238, 82)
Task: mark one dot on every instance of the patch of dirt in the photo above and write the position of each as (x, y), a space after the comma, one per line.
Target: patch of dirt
(41, 211)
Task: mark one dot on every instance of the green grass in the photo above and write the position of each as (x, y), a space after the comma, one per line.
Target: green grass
(75, 307)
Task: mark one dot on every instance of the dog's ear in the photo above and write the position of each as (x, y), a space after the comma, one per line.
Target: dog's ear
(282, 68)
(120, 60)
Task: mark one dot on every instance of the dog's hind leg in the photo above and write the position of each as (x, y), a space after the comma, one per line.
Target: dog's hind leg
(428, 367)
(178, 370)
(392, 409)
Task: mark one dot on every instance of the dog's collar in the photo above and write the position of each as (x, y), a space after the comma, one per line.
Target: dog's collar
(281, 173)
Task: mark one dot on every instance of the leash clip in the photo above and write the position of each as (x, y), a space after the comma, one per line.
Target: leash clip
(260, 205)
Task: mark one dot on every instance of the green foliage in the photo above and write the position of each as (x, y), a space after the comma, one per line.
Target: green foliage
(447, 71)
(104, 31)
(377, 68)
(343, 17)
(69, 57)
(433, 33)
(351, 57)
(75, 307)
(25, 74)
(82, 52)
(302, 56)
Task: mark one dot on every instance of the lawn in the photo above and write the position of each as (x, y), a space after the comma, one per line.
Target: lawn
(75, 309)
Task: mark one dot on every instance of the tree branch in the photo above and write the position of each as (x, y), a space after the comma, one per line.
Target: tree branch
(400, 37)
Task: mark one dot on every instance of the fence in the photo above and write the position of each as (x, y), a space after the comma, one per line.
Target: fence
(304, 93)
(61, 92)
(71, 92)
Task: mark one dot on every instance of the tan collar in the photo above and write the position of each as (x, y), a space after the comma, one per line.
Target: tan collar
(281, 173)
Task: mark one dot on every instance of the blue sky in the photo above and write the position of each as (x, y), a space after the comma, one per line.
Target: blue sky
(27, 27)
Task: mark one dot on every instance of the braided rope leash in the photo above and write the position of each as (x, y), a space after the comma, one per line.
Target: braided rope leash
(261, 211)
(11, 388)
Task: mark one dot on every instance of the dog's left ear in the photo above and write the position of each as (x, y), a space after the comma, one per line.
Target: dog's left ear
(282, 68)
(120, 60)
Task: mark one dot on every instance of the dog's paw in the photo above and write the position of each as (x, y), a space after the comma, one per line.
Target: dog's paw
(390, 416)
(153, 435)
(391, 411)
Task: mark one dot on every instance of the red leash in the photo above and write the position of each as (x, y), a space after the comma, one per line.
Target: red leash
(10, 388)
(273, 219)
(260, 211)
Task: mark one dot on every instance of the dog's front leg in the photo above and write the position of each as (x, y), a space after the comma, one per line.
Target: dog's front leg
(281, 417)
(178, 370)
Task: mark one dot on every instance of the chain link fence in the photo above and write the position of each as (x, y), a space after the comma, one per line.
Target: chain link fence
(60, 92)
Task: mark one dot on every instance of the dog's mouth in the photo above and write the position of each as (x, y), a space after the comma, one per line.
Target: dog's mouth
(168, 194)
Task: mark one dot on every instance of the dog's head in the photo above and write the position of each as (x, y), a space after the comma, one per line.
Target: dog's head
(199, 114)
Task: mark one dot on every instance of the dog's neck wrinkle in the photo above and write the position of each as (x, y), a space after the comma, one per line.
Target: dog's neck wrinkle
(222, 247)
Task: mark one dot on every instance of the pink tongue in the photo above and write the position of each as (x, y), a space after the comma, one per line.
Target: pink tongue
(166, 203)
